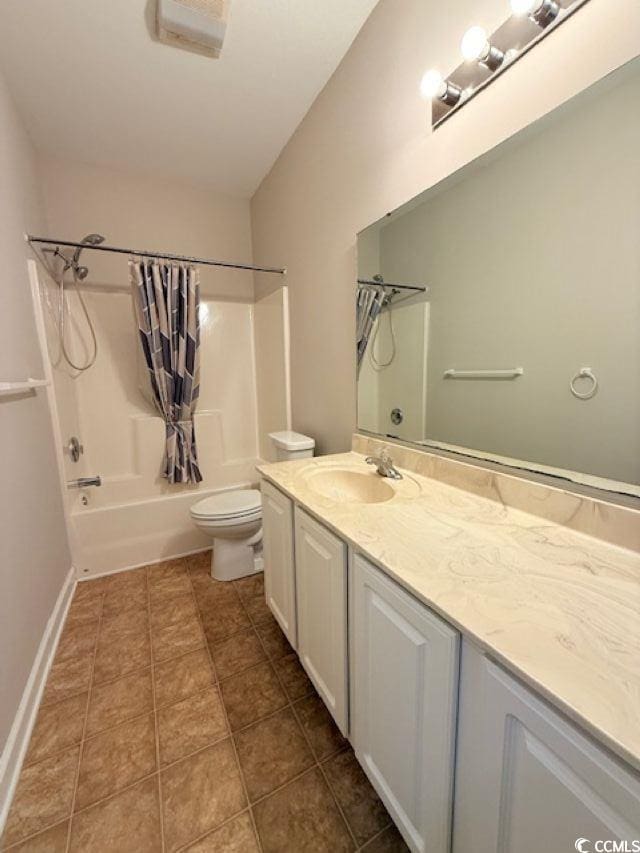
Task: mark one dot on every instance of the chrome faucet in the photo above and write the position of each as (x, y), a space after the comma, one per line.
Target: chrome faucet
(83, 482)
(384, 465)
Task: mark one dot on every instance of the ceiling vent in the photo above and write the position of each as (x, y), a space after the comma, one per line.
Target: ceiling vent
(196, 25)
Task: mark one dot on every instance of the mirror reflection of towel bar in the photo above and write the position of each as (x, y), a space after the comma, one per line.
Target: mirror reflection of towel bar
(511, 373)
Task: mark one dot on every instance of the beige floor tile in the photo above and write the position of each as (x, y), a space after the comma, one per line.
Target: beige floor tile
(389, 841)
(89, 589)
(175, 640)
(78, 639)
(85, 610)
(200, 562)
(275, 643)
(182, 677)
(43, 796)
(250, 587)
(124, 598)
(302, 817)
(52, 840)
(257, 609)
(190, 725)
(363, 809)
(172, 611)
(116, 701)
(223, 619)
(132, 580)
(57, 727)
(295, 680)
(200, 793)
(121, 656)
(237, 653)
(236, 836)
(68, 678)
(167, 580)
(318, 724)
(115, 759)
(116, 628)
(126, 823)
(252, 695)
(272, 752)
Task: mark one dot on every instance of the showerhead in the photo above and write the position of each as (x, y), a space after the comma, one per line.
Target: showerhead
(89, 240)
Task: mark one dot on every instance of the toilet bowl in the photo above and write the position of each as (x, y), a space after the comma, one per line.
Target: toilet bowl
(234, 522)
(234, 519)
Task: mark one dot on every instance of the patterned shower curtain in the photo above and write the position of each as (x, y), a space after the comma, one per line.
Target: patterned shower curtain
(166, 296)
(369, 301)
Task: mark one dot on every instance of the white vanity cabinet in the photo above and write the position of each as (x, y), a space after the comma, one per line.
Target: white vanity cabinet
(527, 779)
(279, 563)
(403, 694)
(321, 593)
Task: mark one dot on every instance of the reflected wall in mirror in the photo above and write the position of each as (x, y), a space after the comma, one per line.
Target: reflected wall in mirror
(531, 260)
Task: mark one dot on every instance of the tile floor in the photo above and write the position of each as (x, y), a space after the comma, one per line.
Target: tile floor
(177, 717)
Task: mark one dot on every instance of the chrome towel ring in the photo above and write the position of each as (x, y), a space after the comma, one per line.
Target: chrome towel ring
(584, 373)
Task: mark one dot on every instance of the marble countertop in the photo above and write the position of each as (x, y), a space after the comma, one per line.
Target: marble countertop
(558, 608)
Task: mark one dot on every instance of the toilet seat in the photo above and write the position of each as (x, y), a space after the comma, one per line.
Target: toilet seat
(240, 505)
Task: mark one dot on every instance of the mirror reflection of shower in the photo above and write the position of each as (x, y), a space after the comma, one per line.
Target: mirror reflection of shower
(65, 317)
(376, 362)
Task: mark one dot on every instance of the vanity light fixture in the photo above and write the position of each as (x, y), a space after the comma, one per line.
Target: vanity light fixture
(488, 55)
(433, 85)
(543, 12)
(476, 47)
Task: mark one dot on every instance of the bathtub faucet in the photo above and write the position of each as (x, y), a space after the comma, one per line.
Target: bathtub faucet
(83, 482)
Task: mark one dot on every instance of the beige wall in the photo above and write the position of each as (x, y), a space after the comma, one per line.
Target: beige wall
(34, 555)
(366, 147)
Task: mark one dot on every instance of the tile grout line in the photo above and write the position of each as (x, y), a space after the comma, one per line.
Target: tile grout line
(155, 713)
(85, 723)
(317, 761)
(224, 711)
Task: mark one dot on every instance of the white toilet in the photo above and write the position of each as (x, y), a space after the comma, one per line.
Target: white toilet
(234, 519)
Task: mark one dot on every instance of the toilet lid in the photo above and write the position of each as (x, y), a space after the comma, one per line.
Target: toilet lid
(234, 504)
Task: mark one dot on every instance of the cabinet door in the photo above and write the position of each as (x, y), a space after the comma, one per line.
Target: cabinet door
(405, 670)
(321, 588)
(527, 780)
(279, 566)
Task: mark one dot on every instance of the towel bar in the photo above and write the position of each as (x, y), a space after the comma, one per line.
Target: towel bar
(512, 373)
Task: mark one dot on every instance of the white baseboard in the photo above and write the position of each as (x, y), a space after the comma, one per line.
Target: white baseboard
(18, 740)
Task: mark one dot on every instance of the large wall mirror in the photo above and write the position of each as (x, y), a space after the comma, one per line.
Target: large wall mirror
(502, 317)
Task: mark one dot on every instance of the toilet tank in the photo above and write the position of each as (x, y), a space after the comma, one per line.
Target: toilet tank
(292, 445)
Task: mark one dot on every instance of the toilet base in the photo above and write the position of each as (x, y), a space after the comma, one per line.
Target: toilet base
(236, 558)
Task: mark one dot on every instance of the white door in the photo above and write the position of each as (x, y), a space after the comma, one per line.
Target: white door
(279, 566)
(527, 780)
(404, 690)
(321, 585)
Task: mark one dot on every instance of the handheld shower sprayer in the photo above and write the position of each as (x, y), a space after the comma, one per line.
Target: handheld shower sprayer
(81, 272)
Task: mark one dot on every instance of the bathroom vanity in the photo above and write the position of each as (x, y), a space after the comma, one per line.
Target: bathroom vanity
(483, 661)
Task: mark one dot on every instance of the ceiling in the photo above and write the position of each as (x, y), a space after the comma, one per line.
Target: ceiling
(93, 85)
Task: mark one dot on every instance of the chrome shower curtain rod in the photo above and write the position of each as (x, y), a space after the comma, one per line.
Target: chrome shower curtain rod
(49, 241)
(417, 287)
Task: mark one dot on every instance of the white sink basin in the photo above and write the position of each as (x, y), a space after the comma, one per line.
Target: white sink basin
(347, 486)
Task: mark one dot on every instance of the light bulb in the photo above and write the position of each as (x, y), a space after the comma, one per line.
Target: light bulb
(432, 85)
(524, 7)
(474, 44)
(543, 12)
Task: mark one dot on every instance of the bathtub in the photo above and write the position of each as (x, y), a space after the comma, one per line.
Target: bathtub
(115, 536)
